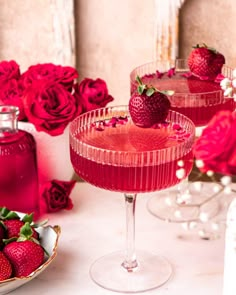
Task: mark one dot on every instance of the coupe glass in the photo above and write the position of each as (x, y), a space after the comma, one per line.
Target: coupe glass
(110, 152)
(199, 100)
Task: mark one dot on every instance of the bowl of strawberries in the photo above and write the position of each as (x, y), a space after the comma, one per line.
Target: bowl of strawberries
(26, 248)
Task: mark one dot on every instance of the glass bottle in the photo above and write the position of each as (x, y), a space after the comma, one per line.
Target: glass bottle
(18, 165)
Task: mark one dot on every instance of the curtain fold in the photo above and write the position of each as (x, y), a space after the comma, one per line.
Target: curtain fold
(167, 29)
(62, 12)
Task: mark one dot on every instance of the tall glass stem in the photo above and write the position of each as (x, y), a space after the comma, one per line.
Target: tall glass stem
(130, 263)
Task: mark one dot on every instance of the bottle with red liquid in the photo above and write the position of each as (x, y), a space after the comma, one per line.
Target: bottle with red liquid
(18, 165)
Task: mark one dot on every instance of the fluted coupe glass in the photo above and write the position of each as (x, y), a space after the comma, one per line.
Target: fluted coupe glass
(110, 152)
(199, 100)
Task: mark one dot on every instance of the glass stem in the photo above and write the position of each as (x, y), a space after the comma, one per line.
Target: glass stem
(183, 190)
(130, 263)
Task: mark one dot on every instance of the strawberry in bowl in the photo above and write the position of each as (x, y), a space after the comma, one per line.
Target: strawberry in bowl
(148, 106)
(26, 250)
(205, 62)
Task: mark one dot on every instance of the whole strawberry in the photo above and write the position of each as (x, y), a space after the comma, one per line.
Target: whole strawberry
(25, 254)
(205, 62)
(148, 106)
(25, 257)
(5, 267)
(12, 223)
(13, 227)
(2, 234)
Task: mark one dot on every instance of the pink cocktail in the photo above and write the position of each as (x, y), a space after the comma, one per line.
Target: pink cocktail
(136, 164)
(109, 151)
(197, 99)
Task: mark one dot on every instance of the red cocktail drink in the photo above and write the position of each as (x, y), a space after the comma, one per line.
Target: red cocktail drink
(135, 161)
(107, 150)
(197, 99)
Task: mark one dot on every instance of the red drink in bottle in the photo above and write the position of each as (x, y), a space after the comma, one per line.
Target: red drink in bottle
(18, 165)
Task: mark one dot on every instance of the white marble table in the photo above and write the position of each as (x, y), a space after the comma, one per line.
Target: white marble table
(96, 226)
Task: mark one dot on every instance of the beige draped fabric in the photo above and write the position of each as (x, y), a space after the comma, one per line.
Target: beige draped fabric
(62, 12)
(167, 28)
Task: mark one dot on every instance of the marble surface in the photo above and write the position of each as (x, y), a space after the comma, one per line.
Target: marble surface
(96, 226)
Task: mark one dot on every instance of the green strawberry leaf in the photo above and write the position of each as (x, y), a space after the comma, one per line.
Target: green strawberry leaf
(141, 88)
(8, 241)
(7, 214)
(150, 91)
(204, 45)
(25, 232)
(28, 218)
(138, 79)
(167, 92)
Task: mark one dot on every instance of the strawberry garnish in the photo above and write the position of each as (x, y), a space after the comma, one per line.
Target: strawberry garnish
(205, 62)
(148, 106)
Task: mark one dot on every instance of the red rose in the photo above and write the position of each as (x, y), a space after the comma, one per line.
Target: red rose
(11, 94)
(64, 75)
(9, 70)
(216, 147)
(49, 106)
(92, 94)
(55, 196)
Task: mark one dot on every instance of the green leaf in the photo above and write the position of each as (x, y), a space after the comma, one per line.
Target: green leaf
(150, 91)
(4, 211)
(28, 218)
(167, 92)
(12, 215)
(141, 88)
(7, 241)
(7, 214)
(138, 79)
(22, 239)
(26, 231)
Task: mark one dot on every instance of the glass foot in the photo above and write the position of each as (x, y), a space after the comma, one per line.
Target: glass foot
(152, 272)
(195, 204)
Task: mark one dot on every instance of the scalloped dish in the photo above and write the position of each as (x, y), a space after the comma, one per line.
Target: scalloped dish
(49, 240)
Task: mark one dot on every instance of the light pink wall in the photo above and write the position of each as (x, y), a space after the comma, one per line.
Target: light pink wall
(113, 37)
(33, 31)
(212, 22)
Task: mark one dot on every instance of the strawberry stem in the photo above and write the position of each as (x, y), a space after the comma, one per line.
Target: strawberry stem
(7, 214)
(150, 89)
(204, 45)
(138, 79)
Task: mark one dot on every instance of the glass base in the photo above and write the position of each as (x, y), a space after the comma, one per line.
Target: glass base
(152, 272)
(198, 206)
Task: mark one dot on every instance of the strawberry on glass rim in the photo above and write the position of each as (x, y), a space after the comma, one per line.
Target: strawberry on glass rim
(149, 106)
(205, 62)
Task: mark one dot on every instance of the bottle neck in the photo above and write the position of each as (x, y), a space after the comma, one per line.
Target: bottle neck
(8, 119)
